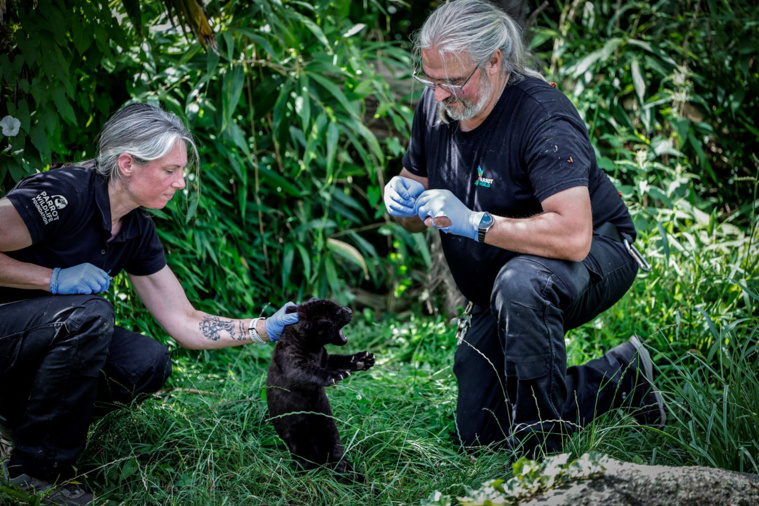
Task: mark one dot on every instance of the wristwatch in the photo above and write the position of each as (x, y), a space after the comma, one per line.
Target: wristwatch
(486, 222)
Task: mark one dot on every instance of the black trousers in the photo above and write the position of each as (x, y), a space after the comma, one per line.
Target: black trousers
(514, 384)
(59, 355)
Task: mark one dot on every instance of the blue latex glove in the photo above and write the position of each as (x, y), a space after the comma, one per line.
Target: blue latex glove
(436, 203)
(400, 194)
(275, 324)
(79, 279)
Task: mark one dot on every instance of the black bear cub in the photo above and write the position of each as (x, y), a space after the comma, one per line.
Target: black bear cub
(300, 368)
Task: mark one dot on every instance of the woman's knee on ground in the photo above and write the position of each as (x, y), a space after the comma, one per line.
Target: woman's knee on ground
(134, 371)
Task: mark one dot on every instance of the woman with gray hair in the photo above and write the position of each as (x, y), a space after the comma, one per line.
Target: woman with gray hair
(63, 234)
(535, 234)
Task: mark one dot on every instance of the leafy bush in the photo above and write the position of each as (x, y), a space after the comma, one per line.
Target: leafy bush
(285, 113)
(674, 82)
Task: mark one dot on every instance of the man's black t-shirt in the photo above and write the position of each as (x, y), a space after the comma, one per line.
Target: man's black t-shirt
(68, 214)
(531, 146)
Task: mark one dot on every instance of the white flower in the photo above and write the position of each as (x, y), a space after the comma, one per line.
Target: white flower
(10, 126)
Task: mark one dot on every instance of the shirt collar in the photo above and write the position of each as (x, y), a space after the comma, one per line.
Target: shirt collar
(129, 223)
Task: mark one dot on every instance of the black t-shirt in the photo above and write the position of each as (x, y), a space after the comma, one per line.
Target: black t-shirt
(531, 146)
(68, 214)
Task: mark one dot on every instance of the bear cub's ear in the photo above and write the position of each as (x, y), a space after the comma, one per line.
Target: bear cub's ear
(291, 309)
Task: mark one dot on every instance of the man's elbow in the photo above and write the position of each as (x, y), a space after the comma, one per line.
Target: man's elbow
(579, 246)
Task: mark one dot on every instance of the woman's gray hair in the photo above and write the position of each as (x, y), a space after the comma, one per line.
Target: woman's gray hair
(475, 28)
(145, 132)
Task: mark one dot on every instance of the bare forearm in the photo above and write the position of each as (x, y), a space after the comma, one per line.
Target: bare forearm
(204, 332)
(546, 235)
(24, 275)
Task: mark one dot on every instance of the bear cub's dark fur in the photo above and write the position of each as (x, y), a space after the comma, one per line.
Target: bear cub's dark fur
(300, 368)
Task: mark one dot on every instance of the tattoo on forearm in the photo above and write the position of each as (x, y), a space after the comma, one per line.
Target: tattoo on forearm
(243, 331)
(212, 327)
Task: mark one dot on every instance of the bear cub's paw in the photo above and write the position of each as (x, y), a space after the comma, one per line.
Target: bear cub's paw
(362, 361)
(334, 377)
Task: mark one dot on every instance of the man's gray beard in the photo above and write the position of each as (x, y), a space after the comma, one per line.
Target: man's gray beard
(470, 110)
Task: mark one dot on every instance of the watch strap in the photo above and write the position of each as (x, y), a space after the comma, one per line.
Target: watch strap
(253, 332)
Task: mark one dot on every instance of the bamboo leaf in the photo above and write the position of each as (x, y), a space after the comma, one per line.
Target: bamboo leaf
(664, 242)
(354, 30)
(132, 8)
(40, 141)
(335, 91)
(287, 263)
(277, 181)
(332, 136)
(232, 84)
(600, 54)
(280, 105)
(313, 27)
(638, 82)
(350, 252)
(303, 103)
(305, 257)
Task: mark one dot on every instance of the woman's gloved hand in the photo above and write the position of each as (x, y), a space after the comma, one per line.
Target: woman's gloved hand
(275, 324)
(79, 279)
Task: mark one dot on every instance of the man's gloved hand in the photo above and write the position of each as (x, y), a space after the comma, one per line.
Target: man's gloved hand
(275, 324)
(437, 203)
(79, 279)
(400, 194)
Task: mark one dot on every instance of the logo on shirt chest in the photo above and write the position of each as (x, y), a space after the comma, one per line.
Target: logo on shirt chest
(482, 181)
(48, 206)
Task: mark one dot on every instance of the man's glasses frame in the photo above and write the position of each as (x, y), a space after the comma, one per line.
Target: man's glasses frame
(453, 89)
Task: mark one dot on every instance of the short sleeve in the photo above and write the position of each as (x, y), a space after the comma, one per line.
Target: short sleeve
(558, 156)
(47, 202)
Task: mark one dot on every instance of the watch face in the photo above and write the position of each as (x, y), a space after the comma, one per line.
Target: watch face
(486, 221)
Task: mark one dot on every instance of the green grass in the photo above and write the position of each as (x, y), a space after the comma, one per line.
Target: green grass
(208, 442)
(205, 439)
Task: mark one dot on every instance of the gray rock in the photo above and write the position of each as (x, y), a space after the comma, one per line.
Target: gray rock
(623, 483)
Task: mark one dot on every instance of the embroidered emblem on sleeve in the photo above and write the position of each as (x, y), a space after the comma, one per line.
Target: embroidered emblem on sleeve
(49, 205)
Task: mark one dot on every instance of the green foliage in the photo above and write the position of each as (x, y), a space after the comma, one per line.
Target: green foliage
(206, 439)
(669, 81)
(530, 478)
(62, 73)
(290, 206)
(290, 187)
(716, 396)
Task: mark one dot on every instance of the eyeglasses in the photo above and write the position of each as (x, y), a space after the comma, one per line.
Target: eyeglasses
(453, 89)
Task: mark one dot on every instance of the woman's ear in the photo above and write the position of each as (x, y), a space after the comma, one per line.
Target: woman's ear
(126, 164)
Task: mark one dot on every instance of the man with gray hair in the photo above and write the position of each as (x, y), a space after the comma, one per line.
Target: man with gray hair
(535, 234)
(63, 234)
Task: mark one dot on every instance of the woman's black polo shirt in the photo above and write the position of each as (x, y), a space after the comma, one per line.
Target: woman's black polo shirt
(68, 214)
